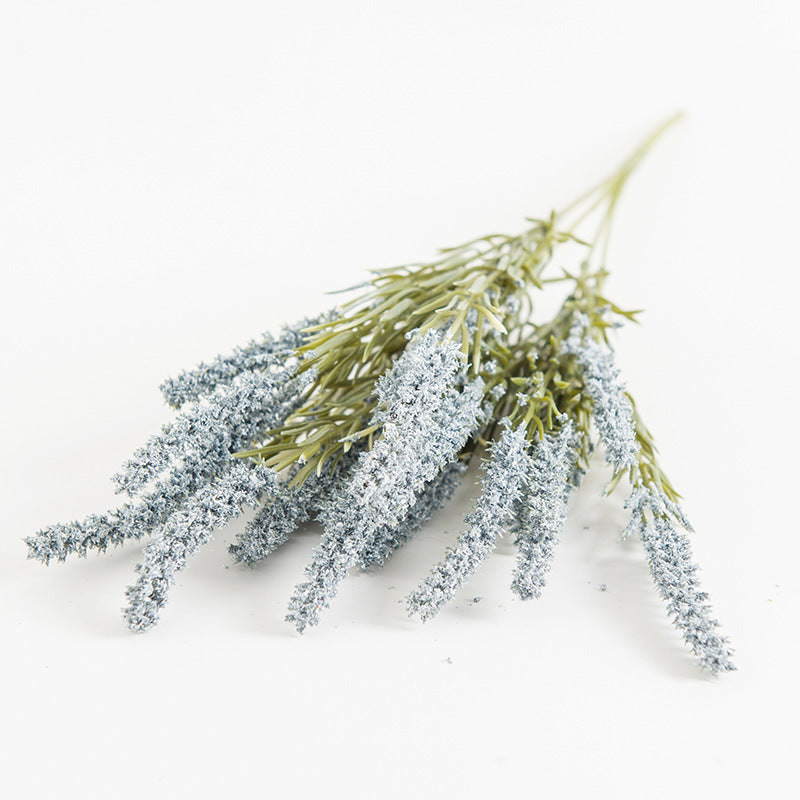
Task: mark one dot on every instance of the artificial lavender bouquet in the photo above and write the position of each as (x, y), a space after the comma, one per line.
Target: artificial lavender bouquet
(367, 418)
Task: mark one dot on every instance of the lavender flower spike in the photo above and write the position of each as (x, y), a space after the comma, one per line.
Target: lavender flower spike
(185, 531)
(613, 412)
(273, 524)
(131, 521)
(228, 420)
(266, 353)
(505, 480)
(430, 499)
(675, 576)
(194, 451)
(285, 510)
(426, 422)
(543, 510)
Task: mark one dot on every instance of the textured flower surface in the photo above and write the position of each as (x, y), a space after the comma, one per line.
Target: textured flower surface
(284, 509)
(542, 510)
(181, 460)
(504, 482)
(427, 419)
(185, 531)
(429, 499)
(613, 413)
(658, 521)
(261, 354)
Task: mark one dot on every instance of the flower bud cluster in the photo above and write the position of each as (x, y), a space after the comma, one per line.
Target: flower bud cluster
(184, 531)
(613, 413)
(427, 419)
(505, 480)
(660, 522)
(543, 510)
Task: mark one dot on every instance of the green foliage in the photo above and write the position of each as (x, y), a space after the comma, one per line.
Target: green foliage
(483, 293)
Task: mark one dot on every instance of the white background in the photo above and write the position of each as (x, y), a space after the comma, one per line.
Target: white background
(177, 177)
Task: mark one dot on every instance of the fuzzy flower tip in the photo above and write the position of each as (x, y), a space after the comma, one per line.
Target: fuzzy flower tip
(543, 510)
(612, 410)
(505, 479)
(426, 420)
(184, 532)
(675, 576)
(202, 436)
(263, 354)
(180, 461)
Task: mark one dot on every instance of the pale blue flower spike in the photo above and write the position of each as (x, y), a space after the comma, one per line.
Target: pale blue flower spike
(504, 481)
(263, 354)
(543, 510)
(611, 408)
(427, 419)
(669, 554)
(228, 420)
(185, 531)
(194, 450)
(283, 511)
(433, 496)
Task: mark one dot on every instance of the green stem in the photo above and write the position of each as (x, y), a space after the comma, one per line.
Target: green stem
(608, 191)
